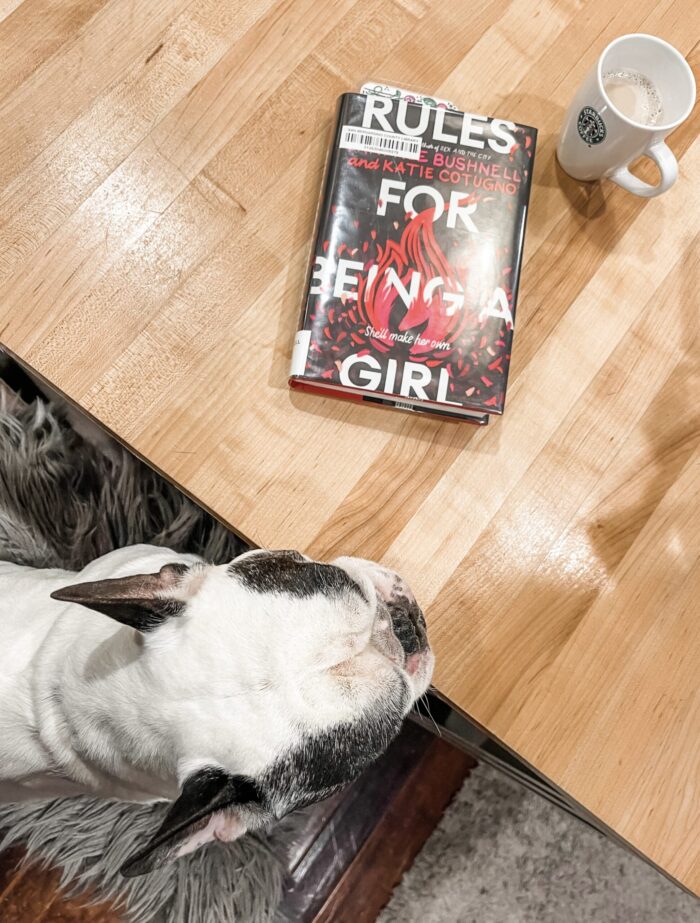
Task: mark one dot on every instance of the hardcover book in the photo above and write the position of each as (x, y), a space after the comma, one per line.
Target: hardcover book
(412, 287)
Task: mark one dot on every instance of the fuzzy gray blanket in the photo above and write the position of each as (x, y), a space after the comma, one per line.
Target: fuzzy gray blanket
(63, 502)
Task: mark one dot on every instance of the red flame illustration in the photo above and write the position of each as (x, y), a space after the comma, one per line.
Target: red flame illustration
(416, 266)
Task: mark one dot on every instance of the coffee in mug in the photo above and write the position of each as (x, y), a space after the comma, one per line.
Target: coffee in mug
(634, 95)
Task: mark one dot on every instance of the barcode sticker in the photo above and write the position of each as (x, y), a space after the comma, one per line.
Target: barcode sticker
(372, 141)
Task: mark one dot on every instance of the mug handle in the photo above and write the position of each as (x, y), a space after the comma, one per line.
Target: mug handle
(663, 157)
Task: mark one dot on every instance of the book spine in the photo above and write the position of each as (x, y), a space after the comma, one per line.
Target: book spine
(302, 341)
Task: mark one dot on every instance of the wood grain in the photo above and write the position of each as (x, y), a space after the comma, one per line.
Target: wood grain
(159, 169)
(31, 894)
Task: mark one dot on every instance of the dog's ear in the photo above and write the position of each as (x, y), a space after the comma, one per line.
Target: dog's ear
(142, 601)
(211, 806)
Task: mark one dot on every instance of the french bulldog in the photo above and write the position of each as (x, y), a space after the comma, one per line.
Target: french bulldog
(238, 692)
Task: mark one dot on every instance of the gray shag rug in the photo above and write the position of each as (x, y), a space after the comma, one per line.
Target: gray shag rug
(502, 854)
(65, 500)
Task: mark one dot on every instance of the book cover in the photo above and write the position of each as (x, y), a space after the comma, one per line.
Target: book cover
(412, 287)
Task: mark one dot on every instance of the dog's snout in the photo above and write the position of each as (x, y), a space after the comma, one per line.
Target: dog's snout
(409, 625)
(396, 599)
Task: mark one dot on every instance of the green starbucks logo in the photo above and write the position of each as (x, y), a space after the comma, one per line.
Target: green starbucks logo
(590, 126)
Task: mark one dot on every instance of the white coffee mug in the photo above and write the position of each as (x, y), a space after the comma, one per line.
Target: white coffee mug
(598, 140)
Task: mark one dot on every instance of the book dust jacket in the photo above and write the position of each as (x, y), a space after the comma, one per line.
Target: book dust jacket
(413, 281)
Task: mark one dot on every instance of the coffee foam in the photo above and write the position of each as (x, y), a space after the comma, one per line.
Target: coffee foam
(634, 95)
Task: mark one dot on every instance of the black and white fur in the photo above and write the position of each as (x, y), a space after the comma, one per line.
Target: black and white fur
(239, 692)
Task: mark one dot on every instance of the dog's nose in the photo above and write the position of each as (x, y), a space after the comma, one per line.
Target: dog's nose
(409, 625)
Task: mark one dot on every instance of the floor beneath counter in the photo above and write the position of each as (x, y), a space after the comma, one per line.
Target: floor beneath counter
(503, 854)
(30, 895)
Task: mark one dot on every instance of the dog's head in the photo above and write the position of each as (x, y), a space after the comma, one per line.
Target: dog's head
(280, 679)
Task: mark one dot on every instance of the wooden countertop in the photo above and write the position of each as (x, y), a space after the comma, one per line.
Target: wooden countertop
(159, 168)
